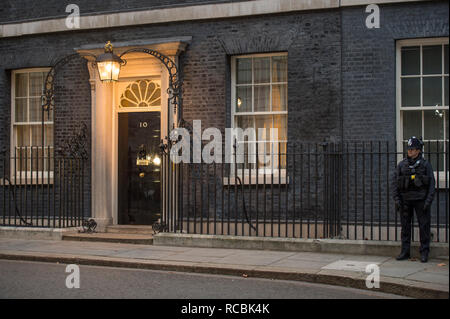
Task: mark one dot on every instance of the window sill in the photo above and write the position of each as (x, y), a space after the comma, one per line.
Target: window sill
(28, 182)
(270, 179)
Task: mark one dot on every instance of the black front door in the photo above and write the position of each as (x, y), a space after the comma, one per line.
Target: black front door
(139, 168)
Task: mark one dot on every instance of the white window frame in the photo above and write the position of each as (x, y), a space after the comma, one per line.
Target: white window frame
(21, 177)
(265, 173)
(399, 116)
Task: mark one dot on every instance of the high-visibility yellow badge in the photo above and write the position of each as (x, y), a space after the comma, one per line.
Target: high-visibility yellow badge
(413, 176)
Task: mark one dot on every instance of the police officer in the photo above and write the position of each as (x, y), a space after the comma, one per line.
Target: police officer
(414, 191)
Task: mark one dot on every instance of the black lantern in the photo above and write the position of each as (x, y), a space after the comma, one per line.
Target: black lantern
(108, 64)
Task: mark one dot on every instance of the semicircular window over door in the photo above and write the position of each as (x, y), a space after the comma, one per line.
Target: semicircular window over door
(141, 94)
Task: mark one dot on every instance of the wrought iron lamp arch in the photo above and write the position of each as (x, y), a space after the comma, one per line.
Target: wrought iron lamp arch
(48, 103)
(174, 89)
(175, 82)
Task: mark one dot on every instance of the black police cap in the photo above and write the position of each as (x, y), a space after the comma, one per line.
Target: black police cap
(414, 143)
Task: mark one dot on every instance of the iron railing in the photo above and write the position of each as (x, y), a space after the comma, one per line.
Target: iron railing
(39, 188)
(306, 190)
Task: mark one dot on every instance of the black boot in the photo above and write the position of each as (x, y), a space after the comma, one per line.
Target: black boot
(424, 257)
(403, 255)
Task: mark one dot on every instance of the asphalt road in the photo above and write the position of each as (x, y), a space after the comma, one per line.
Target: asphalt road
(19, 279)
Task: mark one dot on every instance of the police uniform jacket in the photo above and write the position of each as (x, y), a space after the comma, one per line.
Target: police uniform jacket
(414, 180)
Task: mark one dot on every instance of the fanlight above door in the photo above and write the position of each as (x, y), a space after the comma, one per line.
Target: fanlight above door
(140, 94)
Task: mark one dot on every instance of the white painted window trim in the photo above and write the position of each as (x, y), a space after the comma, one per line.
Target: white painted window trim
(249, 176)
(399, 121)
(24, 177)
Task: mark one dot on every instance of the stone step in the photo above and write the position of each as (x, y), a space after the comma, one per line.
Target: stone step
(130, 229)
(138, 239)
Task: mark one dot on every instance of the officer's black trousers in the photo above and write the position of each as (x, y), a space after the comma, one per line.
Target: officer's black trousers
(424, 219)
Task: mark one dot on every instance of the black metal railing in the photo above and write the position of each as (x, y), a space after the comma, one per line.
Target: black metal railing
(306, 190)
(39, 188)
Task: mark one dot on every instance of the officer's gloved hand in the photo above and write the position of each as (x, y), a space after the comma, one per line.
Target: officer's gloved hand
(398, 205)
(426, 206)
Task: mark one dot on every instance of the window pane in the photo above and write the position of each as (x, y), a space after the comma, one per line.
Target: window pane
(263, 121)
(36, 138)
(280, 123)
(21, 110)
(411, 92)
(432, 91)
(49, 153)
(279, 97)
(244, 99)
(262, 98)
(412, 124)
(433, 125)
(276, 154)
(36, 135)
(244, 121)
(244, 71)
(432, 59)
(35, 109)
(48, 116)
(446, 59)
(279, 69)
(35, 160)
(433, 152)
(36, 83)
(410, 60)
(21, 87)
(262, 70)
(282, 157)
(22, 135)
(264, 157)
(446, 90)
(48, 135)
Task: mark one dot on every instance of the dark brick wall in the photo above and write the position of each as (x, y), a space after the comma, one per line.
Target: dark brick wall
(369, 63)
(20, 10)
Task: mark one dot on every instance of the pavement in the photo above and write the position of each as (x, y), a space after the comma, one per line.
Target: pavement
(409, 278)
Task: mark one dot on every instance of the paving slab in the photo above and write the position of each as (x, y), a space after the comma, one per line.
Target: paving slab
(350, 265)
(193, 258)
(144, 254)
(344, 273)
(207, 252)
(398, 272)
(249, 260)
(429, 277)
(316, 257)
(299, 264)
